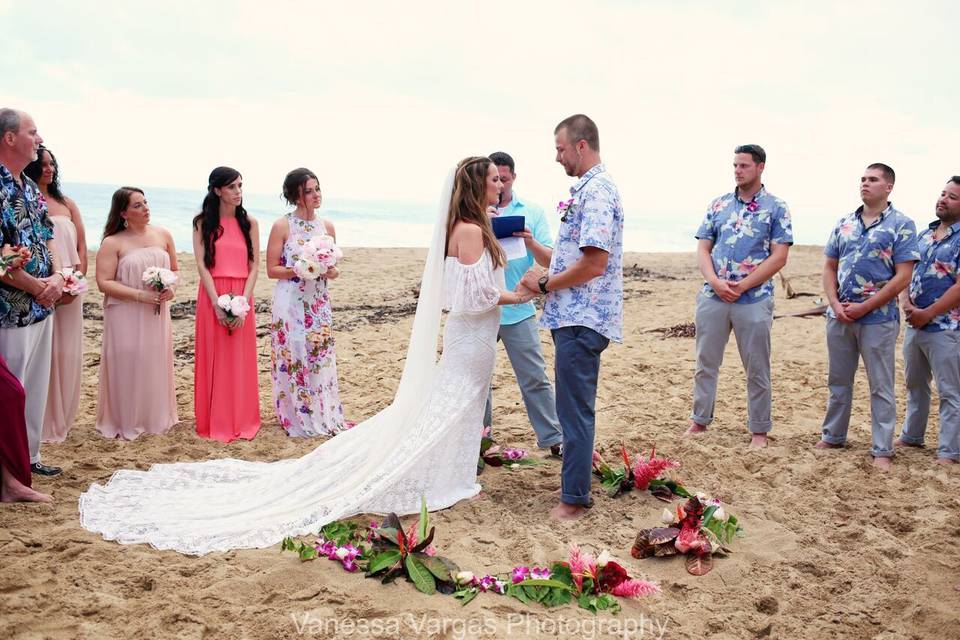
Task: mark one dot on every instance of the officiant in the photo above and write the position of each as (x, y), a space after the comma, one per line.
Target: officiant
(518, 323)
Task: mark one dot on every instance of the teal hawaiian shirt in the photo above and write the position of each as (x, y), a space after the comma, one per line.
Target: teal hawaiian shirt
(24, 222)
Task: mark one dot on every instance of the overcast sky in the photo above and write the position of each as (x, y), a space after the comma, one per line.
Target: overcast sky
(379, 98)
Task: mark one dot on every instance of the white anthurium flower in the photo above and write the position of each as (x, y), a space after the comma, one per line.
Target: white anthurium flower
(667, 517)
(603, 558)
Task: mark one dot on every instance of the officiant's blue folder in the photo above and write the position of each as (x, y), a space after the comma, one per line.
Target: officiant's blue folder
(506, 226)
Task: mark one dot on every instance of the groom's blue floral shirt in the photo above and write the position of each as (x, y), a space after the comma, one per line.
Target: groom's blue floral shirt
(594, 218)
(867, 257)
(24, 222)
(741, 233)
(935, 273)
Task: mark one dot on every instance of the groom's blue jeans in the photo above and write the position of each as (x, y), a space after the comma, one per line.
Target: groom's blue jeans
(577, 367)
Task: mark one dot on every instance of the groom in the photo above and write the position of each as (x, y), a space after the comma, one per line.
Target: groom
(584, 304)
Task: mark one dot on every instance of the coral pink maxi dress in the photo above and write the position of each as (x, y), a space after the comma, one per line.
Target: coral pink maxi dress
(225, 384)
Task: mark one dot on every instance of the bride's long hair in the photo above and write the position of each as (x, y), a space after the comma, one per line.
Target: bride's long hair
(468, 203)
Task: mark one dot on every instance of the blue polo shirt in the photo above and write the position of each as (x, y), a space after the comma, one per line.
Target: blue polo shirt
(537, 223)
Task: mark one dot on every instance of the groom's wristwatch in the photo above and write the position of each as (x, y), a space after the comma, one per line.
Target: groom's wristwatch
(542, 282)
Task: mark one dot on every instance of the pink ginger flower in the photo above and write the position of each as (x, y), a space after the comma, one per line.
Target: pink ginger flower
(646, 470)
(634, 588)
(582, 565)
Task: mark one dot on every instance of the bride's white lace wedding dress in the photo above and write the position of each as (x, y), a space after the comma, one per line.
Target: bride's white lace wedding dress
(425, 443)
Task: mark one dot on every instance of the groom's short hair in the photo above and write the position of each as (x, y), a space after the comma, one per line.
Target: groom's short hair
(580, 127)
(502, 159)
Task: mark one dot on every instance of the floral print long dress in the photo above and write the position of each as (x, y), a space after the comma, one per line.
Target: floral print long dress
(304, 365)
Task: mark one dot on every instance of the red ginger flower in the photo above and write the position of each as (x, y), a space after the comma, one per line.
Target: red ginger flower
(646, 470)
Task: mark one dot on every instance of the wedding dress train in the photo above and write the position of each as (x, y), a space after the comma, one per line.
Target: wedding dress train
(425, 443)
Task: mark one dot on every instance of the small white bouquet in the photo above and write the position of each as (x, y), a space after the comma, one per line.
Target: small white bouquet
(159, 279)
(234, 306)
(74, 282)
(317, 256)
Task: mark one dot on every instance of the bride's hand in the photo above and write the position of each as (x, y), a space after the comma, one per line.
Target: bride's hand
(332, 273)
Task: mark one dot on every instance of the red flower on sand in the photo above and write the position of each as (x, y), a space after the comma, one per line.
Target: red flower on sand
(650, 469)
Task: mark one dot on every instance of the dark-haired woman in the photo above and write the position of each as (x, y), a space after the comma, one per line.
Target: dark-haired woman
(226, 243)
(304, 365)
(70, 244)
(136, 360)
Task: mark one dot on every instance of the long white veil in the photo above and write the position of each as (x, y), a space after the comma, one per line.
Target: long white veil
(217, 505)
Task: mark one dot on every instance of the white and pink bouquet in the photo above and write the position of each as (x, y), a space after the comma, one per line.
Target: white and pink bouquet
(159, 279)
(234, 306)
(74, 282)
(317, 256)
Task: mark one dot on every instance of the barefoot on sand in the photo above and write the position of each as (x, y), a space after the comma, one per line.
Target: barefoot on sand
(695, 428)
(758, 441)
(899, 442)
(883, 464)
(564, 511)
(946, 462)
(823, 444)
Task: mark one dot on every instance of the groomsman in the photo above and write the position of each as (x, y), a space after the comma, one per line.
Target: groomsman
(584, 304)
(518, 322)
(27, 295)
(932, 341)
(869, 259)
(742, 243)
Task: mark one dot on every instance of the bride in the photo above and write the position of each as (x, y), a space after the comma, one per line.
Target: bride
(425, 443)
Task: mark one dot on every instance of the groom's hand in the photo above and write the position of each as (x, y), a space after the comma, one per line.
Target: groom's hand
(531, 280)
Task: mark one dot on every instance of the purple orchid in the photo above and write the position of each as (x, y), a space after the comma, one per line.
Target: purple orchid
(540, 574)
(519, 574)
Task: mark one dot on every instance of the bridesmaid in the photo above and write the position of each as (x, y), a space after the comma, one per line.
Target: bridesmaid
(136, 361)
(70, 243)
(304, 366)
(226, 243)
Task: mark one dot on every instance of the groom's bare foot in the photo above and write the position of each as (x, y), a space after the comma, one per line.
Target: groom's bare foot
(946, 462)
(900, 442)
(883, 464)
(694, 429)
(823, 444)
(758, 441)
(564, 511)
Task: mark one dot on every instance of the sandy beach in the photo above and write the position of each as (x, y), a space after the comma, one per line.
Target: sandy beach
(833, 548)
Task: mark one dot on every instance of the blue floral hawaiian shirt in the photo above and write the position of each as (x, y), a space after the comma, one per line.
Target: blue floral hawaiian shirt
(935, 273)
(594, 219)
(24, 222)
(741, 233)
(867, 256)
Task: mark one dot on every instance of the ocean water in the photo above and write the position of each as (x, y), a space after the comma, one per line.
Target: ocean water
(360, 223)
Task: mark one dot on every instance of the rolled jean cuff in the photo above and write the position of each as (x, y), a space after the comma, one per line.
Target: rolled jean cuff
(701, 420)
(583, 501)
(547, 445)
(877, 453)
(949, 456)
(917, 442)
(832, 440)
(763, 427)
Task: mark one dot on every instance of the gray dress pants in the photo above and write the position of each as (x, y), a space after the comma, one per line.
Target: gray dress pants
(846, 345)
(934, 354)
(750, 324)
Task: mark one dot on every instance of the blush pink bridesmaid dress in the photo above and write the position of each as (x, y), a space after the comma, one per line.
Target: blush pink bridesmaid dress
(226, 385)
(63, 398)
(136, 361)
